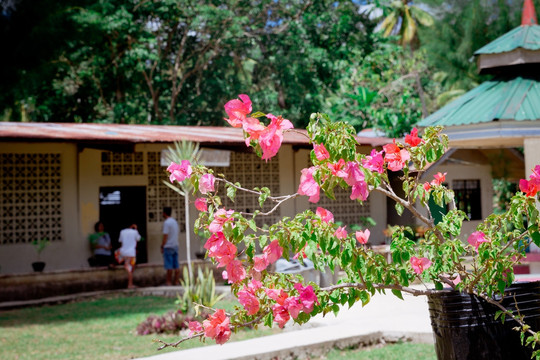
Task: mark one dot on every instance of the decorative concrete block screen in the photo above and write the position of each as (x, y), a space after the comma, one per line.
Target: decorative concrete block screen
(160, 195)
(122, 164)
(251, 172)
(30, 197)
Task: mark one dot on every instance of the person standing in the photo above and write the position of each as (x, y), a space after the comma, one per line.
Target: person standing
(169, 247)
(128, 251)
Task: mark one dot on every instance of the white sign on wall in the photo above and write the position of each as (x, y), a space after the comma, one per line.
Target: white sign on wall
(209, 157)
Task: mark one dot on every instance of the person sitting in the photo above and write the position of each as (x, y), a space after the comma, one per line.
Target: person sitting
(100, 243)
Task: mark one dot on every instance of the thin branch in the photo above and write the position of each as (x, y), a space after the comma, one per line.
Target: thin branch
(201, 334)
(409, 290)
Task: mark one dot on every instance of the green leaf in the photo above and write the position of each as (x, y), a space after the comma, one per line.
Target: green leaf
(365, 298)
(257, 114)
(536, 238)
(397, 293)
(438, 286)
(399, 209)
(231, 192)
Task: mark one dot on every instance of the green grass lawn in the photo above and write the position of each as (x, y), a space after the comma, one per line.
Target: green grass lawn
(402, 351)
(94, 329)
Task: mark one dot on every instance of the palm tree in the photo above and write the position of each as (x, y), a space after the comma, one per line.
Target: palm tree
(403, 20)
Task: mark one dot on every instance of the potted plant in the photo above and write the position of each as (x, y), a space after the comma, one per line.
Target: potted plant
(39, 246)
(477, 266)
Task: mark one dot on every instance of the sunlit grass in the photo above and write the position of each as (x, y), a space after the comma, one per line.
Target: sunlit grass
(95, 329)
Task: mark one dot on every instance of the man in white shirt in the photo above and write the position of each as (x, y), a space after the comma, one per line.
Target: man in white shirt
(128, 251)
(169, 247)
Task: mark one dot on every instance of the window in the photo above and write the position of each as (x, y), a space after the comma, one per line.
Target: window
(468, 197)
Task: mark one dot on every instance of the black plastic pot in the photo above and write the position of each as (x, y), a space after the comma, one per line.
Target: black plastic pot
(464, 325)
(38, 266)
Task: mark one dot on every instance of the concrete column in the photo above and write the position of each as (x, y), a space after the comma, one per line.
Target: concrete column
(531, 147)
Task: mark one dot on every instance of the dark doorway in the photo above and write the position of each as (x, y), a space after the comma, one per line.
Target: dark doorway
(121, 206)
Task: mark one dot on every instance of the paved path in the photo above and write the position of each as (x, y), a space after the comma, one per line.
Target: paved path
(385, 317)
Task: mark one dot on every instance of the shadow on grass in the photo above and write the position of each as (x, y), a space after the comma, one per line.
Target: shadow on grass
(112, 306)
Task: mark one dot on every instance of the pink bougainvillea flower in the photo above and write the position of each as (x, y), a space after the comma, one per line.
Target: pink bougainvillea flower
(220, 218)
(308, 186)
(532, 186)
(477, 238)
(341, 232)
(235, 272)
(206, 183)
(249, 300)
(337, 169)
(217, 327)
(253, 128)
(360, 191)
(325, 215)
(259, 263)
(194, 327)
(307, 297)
(439, 179)
(320, 152)
(420, 264)
(270, 139)
(281, 315)
(201, 204)
(363, 236)
(354, 174)
(374, 161)
(237, 110)
(293, 306)
(427, 186)
(278, 295)
(221, 249)
(254, 285)
(272, 252)
(395, 157)
(179, 172)
(412, 139)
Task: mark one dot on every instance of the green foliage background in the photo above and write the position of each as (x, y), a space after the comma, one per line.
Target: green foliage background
(179, 61)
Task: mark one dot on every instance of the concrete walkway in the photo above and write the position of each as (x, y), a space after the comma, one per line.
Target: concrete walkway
(385, 319)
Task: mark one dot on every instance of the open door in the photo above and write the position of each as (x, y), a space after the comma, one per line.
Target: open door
(121, 206)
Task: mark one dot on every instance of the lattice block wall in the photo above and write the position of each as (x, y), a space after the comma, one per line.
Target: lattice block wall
(122, 164)
(250, 171)
(160, 195)
(30, 197)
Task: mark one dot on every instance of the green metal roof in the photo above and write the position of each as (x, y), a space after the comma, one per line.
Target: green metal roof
(524, 36)
(516, 98)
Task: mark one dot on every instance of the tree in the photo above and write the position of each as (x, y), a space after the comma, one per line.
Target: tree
(383, 90)
(176, 61)
(403, 19)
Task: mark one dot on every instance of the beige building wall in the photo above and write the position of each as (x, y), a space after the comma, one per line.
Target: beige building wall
(474, 171)
(28, 197)
(82, 177)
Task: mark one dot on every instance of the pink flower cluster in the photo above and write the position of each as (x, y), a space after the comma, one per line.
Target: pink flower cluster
(477, 238)
(271, 253)
(215, 327)
(420, 264)
(269, 137)
(287, 307)
(532, 186)
(224, 252)
(394, 156)
(180, 172)
(439, 178)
